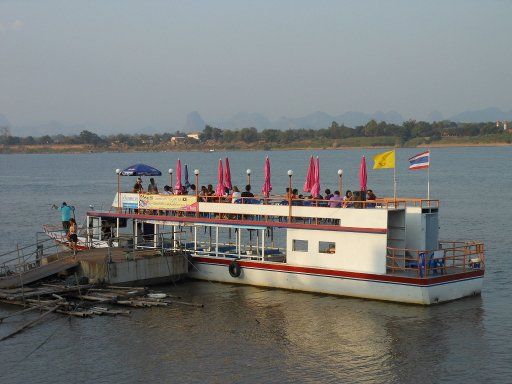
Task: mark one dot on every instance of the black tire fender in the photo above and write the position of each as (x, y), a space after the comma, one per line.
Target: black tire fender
(235, 269)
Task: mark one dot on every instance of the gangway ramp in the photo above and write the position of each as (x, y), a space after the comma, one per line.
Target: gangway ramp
(30, 275)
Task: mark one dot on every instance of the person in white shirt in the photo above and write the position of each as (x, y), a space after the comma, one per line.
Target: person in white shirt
(236, 195)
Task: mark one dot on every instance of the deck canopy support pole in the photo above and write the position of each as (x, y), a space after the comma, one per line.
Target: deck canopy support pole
(216, 241)
(135, 233)
(155, 235)
(195, 238)
(239, 240)
(263, 244)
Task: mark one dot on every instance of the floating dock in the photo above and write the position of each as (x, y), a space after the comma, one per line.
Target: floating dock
(112, 266)
(141, 267)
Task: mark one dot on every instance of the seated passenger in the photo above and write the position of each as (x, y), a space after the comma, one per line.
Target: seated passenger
(348, 199)
(138, 188)
(287, 193)
(152, 188)
(167, 190)
(370, 196)
(328, 194)
(247, 192)
(236, 195)
(308, 201)
(335, 200)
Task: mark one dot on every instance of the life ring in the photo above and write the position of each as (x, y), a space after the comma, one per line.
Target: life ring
(234, 269)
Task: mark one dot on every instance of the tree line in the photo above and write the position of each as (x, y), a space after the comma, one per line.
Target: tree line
(404, 132)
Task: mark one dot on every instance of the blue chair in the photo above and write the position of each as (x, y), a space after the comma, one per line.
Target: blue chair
(437, 262)
(420, 263)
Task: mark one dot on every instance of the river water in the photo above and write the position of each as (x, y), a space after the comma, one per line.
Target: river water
(253, 335)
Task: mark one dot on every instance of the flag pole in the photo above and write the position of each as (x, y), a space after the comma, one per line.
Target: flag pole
(394, 176)
(428, 176)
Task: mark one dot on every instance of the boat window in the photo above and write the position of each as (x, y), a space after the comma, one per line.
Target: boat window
(300, 245)
(326, 247)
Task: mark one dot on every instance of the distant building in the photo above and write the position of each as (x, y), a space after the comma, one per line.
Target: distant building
(194, 135)
(506, 126)
(176, 139)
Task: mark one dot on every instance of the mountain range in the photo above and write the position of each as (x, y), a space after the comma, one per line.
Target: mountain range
(352, 119)
(194, 122)
(314, 120)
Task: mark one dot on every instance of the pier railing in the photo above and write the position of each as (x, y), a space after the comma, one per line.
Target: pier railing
(27, 257)
(450, 258)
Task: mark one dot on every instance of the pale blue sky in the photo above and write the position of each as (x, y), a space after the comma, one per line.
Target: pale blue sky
(124, 65)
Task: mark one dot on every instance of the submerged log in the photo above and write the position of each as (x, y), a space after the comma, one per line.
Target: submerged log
(17, 313)
(30, 323)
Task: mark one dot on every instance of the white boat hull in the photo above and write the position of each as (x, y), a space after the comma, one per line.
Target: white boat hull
(441, 289)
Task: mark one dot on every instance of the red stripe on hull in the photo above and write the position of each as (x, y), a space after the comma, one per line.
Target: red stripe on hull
(253, 223)
(338, 273)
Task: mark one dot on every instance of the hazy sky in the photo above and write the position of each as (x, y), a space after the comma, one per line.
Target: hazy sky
(124, 65)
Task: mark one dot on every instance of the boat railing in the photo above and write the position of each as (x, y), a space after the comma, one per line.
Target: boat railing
(450, 258)
(291, 210)
(178, 241)
(85, 234)
(285, 200)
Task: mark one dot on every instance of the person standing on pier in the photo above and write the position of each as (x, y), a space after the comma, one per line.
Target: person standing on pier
(72, 235)
(65, 213)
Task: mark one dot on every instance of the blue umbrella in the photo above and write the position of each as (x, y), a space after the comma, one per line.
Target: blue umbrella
(187, 183)
(140, 170)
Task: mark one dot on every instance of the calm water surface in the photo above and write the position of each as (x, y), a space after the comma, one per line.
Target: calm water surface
(248, 334)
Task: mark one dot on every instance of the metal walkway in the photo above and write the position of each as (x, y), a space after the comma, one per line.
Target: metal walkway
(37, 273)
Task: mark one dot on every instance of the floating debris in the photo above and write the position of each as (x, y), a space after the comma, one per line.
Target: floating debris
(81, 300)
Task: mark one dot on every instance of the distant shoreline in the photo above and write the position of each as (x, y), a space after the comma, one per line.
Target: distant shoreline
(84, 148)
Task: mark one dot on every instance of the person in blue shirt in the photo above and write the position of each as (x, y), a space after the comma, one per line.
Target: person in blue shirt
(65, 214)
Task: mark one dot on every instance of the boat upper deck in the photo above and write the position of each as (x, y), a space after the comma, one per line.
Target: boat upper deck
(272, 211)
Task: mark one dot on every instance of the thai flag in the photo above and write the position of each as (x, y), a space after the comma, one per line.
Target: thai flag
(420, 161)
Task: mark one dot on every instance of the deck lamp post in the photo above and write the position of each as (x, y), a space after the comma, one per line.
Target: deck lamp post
(196, 173)
(290, 174)
(340, 181)
(170, 177)
(118, 172)
(248, 177)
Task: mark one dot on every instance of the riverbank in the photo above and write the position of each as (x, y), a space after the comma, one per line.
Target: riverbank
(210, 146)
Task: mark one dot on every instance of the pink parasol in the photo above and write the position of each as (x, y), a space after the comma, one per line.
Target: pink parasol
(309, 177)
(267, 186)
(315, 189)
(363, 175)
(227, 175)
(219, 189)
(178, 187)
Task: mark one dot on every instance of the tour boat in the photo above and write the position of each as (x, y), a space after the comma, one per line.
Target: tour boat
(386, 249)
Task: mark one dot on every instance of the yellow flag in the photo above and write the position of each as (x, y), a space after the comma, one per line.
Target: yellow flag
(384, 160)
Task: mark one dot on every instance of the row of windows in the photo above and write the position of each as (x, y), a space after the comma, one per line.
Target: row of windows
(323, 246)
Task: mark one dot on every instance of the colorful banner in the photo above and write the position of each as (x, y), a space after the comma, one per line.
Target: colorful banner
(167, 202)
(128, 200)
